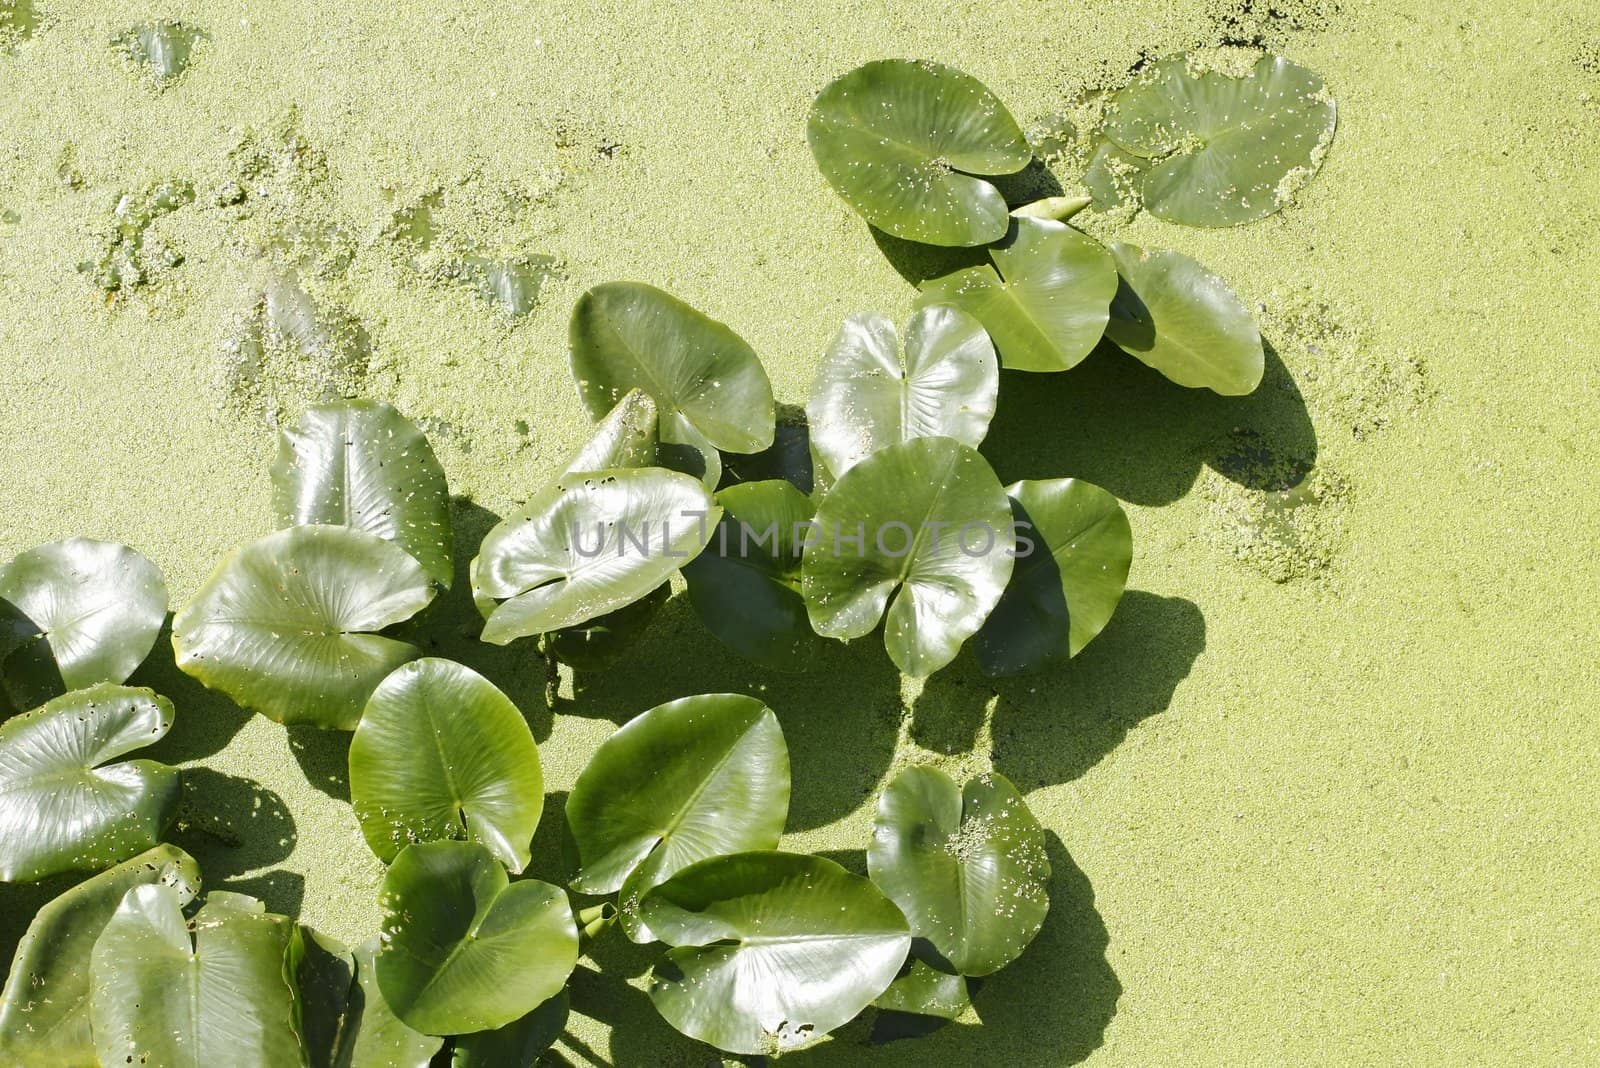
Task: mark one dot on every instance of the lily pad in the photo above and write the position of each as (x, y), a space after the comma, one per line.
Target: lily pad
(1044, 301)
(82, 612)
(373, 1037)
(44, 1011)
(1184, 321)
(1065, 588)
(626, 437)
(690, 779)
(464, 949)
(324, 972)
(593, 645)
(362, 464)
(967, 865)
(708, 384)
(1226, 146)
(745, 586)
(868, 394)
(588, 545)
(222, 997)
(512, 285)
(516, 1045)
(771, 950)
(288, 625)
(921, 529)
(62, 808)
(164, 49)
(903, 141)
(440, 753)
(926, 991)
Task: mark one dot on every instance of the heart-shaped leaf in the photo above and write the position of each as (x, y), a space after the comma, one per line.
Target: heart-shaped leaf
(288, 625)
(1185, 322)
(440, 752)
(967, 866)
(223, 997)
(708, 384)
(690, 779)
(84, 612)
(746, 585)
(464, 949)
(517, 1044)
(772, 950)
(44, 1011)
(588, 545)
(1045, 300)
(901, 141)
(923, 529)
(60, 809)
(362, 464)
(868, 395)
(926, 991)
(1067, 583)
(1226, 146)
(373, 1037)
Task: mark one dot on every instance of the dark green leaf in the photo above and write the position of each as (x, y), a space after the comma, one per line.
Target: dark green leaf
(901, 140)
(772, 950)
(373, 1037)
(517, 1044)
(288, 625)
(323, 970)
(60, 809)
(440, 752)
(592, 645)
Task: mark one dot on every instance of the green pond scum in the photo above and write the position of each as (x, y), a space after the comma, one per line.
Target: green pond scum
(1314, 789)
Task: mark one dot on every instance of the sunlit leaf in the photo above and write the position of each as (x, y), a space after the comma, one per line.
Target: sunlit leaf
(373, 1037)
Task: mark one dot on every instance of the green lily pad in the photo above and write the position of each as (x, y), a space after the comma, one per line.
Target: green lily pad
(592, 645)
(626, 437)
(62, 808)
(967, 865)
(222, 997)
(771, 950)
(81, 612)
(745, 586)
(868, 395)
(373, 1037)
(903, 141)
(1065, 588)
(935, 549)
(464, 949)
(1226, 146)
(288, 625)
(708, 384)
(926, 991)
(690, 779)
(1182, 320)
(588, 545)
(1044, 301)
(517, 1044)
(163, 49)
(44, 1010)
(441, 753)
(362, 464)
(324, 972)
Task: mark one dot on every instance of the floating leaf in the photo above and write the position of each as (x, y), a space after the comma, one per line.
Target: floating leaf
(323, 971)
(967, 865)
(901, 141)
(926, 991)
(362, 464)
(745, 586)
(440, 752)
(922, 529)
(60, 809)
(588, 545)
(772, 950)
(44, 1011)
(163, 48)
(592, 645)
(1225, 146)
(690, 779)
(626, 437)
(1045, 300)
(1064, 589)
(223, 998)
(868, 395)
(517, 1044)
(512, 285)
(464, 949)
(1185, 322)
(288, 625)
(708, 384)
(373, 1037)
(81, 612)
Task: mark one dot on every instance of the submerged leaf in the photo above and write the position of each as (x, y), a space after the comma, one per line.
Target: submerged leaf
(901, 141)
(440, 752)
(163, 48)
(62, 807)
(288, 625)
(772, 950)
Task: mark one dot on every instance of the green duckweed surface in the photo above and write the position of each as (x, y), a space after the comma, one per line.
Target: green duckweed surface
(1323, 792)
